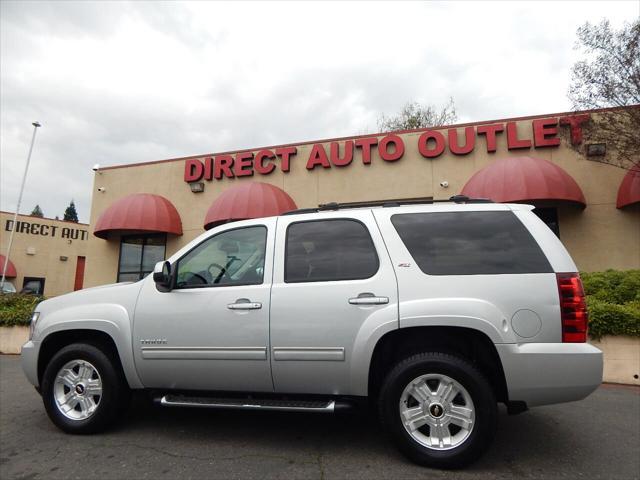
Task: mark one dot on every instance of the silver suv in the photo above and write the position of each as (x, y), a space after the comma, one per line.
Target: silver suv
(432, 313)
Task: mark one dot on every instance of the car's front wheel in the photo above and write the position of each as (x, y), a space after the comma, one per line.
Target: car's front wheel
(438, 409)
(83, 391)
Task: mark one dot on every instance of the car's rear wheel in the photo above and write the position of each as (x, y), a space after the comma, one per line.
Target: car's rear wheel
(438, 409)
(83, 391)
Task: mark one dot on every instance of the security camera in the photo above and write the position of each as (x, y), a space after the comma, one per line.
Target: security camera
(444, 184)
(96, 167)
(102, 189)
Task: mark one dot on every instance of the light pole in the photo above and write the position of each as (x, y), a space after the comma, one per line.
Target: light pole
(15, 215)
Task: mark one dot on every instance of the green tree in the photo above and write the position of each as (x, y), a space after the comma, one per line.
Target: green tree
(609, 76)
(37, 212)
(415, 115)
(70, 214)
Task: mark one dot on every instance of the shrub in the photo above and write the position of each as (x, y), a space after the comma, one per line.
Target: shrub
(613, 300)
(16, 308)
(613, 319)
(613, 286)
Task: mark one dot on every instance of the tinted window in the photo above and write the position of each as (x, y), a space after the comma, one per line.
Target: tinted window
(234, 257)
(470, 243)
(328, 250)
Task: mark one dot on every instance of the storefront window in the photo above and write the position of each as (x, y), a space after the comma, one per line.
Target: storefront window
(8, 287)
(33, 285)
(139, 254)
(549, 215)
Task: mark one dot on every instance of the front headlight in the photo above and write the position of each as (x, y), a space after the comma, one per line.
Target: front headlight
(32, 325)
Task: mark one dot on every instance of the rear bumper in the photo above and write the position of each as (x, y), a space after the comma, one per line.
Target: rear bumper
(29, 361)
(546, 373)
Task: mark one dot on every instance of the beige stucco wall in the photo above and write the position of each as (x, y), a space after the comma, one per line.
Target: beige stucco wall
(598, 237)
(38, 255)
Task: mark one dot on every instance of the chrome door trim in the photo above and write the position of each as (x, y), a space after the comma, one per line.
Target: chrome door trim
(204, 353)
(332, 354)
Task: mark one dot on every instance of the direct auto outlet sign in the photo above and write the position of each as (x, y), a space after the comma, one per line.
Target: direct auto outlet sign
(391, 148)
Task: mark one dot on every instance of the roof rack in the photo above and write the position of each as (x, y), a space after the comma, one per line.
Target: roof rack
(385, 203)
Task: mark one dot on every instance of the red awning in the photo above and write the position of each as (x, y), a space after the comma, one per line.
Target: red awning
(629, 191)
(524, 179)
(248, 200)
(139, 213)
(11, 268)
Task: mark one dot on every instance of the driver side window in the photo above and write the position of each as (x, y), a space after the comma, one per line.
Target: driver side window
(234, 257)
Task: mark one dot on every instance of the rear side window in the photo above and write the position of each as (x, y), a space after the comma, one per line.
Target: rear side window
(328, 250)
(470, 243)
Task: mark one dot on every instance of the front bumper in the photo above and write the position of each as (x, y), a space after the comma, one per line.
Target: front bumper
(29, 361)
(546, 373)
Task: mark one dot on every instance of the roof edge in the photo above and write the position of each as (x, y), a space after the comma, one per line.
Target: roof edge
(46, 218)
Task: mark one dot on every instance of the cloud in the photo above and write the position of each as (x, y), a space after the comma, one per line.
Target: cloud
(117, 83)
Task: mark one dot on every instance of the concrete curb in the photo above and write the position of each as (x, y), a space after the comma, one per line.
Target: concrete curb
(621, 359)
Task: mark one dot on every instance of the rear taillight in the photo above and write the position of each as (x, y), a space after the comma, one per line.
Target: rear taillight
(573, 308)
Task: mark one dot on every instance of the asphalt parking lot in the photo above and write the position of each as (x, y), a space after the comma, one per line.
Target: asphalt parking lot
(596, 438)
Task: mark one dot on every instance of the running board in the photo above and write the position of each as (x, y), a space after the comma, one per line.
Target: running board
(318, 406)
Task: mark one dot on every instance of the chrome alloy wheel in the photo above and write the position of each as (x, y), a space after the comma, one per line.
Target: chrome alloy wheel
(437, 411)
(77, 390)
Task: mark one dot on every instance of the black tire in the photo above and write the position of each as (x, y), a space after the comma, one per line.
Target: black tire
(463, 372)
(111, 405)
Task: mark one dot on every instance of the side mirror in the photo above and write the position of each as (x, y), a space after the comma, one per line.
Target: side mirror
(162, 276)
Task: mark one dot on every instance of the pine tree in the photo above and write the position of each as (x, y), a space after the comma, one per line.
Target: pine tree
(37, 212)
(70, 214)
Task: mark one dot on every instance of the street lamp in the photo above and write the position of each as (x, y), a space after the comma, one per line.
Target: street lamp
(15, 215)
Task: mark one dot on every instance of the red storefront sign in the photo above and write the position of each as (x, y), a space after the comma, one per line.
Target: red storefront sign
(391, 148)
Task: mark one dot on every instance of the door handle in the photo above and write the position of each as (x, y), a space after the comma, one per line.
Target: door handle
(368, 298)
(244, 304)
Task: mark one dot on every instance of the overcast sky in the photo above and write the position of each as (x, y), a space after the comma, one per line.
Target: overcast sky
(116, 83)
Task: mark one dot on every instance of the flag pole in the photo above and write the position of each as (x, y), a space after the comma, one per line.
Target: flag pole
(15, 214)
